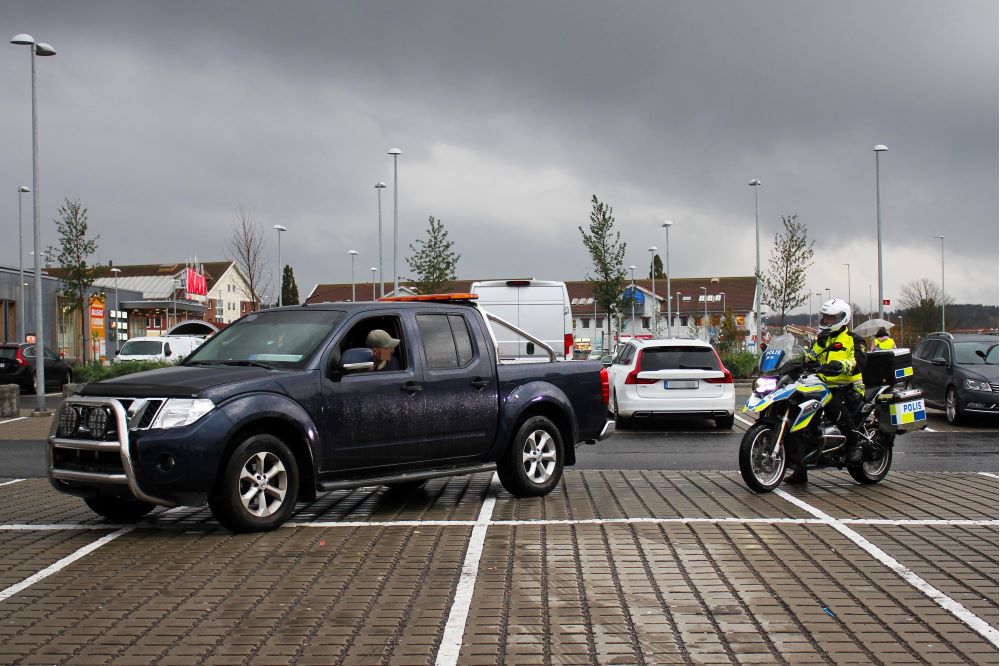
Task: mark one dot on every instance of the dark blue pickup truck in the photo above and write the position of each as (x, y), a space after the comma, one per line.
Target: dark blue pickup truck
(289, 402)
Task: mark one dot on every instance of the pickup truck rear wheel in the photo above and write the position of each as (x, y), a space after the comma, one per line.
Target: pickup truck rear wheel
(119, 510)
(533, 462)
(258, 487)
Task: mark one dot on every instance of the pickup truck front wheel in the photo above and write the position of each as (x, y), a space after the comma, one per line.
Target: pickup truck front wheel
(258, 487)
(533, 462)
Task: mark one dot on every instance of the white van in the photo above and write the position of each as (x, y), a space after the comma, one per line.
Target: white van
(165, 348)
(539, 307)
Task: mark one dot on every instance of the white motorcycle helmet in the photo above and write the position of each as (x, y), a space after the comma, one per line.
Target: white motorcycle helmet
(833, 316)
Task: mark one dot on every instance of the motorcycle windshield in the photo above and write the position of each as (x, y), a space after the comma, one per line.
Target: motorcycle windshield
(778, 351)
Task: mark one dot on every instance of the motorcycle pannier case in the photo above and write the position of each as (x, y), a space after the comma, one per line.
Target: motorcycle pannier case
(902, 411)
(885, 367)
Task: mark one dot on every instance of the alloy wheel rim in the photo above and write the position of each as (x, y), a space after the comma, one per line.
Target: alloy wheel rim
(767, 469)
(950, 407)
(263, 484)
(538, 456)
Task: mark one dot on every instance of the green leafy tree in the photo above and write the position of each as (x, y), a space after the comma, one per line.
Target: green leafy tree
(658, 268)
(731, 337)
(783, 284)
(74, 249)
(433, 261)
(607, 251)
(289, 290)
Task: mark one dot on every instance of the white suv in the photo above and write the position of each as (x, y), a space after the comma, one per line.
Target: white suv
(675, 376)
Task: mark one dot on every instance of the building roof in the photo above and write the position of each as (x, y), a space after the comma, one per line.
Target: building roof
(153, 280)
(739, 293)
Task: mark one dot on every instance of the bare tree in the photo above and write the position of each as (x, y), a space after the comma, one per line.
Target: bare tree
(921, 301)
(246, 250)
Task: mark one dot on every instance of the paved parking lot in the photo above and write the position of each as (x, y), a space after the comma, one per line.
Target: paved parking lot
(615, 567)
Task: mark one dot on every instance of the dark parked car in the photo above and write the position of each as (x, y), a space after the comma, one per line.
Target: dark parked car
(958, 373)
(17, 366)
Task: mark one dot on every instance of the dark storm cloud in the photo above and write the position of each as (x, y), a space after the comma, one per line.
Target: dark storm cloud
(163, 117)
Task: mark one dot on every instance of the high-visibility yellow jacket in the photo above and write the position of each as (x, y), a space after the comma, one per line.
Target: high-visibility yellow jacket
(837, 349)
(885, 343)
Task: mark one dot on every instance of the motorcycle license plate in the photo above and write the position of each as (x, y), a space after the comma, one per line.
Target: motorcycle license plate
(680, 383)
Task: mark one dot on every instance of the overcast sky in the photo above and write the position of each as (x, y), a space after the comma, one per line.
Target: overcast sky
(164, 117)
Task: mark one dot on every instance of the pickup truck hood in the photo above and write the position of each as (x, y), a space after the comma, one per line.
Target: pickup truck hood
(177, 382)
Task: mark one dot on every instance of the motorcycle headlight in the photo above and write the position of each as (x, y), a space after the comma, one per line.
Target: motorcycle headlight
(177, 412)
(976, 385)
(763, 385)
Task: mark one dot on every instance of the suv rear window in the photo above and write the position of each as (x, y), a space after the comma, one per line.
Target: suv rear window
(679, 358)
(8, 352)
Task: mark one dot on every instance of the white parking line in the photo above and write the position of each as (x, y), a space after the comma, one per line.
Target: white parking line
(454, 630)
(355, 524)
(7, 483)
(19, 418)
(62, 564)
(744, 420)
(937, 596)
(992, 476)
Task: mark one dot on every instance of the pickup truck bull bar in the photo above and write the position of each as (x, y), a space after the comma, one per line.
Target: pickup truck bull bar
(120, 445)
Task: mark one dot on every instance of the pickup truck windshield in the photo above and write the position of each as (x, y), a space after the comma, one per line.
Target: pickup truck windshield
(282, 339)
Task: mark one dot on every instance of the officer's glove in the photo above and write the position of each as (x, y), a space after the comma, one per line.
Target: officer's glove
(822, 338)
(833, 368)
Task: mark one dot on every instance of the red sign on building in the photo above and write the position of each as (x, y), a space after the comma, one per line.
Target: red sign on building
(197, 285)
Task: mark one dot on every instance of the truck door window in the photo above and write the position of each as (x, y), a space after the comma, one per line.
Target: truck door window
(446, 340)
(358, 335)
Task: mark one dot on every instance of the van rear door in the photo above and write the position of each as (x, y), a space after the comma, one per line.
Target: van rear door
(540, 307)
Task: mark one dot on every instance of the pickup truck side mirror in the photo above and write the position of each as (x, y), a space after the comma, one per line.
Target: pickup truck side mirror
(606, 361)
(939, 360)
(358, 359)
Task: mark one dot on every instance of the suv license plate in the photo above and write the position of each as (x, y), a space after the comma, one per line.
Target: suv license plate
(680, 383)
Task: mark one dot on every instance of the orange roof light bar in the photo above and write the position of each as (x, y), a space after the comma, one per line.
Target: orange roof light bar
(431, 297)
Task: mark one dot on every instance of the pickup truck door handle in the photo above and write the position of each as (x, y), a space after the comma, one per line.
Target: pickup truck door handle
(411, 387)
(480, 383)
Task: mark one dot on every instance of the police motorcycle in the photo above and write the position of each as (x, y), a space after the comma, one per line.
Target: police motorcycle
(788, 402)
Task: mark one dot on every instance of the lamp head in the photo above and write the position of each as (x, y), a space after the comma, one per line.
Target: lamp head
(652, 248)
(879, 148)
(22, 39)
(373, 269)
(352, 252)
(279, 228)
(42, 49)
(380, 185)
(116, 270)
(631, 268)
(667, 224)
(24, 188)
(754, 183)
(395, 151)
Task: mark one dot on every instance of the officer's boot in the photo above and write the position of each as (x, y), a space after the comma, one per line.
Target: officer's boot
(795, 464)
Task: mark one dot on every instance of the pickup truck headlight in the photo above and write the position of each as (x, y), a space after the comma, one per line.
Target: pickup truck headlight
(177, 412)
(976, 385)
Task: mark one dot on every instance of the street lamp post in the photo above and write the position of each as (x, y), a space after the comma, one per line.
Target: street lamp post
(723, 294)
(395, 152)
(850, 303)
(704, 298)
(666, 269)
(354, 297)
(878, 222)
(827, 293)
(281, 273)
(942, 282)
(632, 268)
(37, 49)
(177, 283)
(373, 269)
(379, 186)
(678, 301)
(652, 286)
(755, 184)
(116, 318)
(20, 267)
(901, 329)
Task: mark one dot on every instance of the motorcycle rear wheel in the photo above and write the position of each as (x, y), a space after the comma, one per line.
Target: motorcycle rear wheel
(761, 471)
(873, 471)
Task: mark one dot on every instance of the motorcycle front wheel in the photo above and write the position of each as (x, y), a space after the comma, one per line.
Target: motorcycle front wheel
(873, 471)
(762, 469)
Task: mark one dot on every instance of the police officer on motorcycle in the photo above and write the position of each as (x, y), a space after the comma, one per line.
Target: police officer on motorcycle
(839, 356)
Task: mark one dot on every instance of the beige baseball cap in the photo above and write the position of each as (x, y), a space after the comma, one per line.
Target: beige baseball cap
(380, 339)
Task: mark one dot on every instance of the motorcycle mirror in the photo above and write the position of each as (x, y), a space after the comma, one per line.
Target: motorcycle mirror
(763, 346)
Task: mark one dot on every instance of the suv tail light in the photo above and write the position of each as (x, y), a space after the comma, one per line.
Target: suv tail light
(605, 387)
(727, 377)
(19, 359)
(568, 344)
(633, 377)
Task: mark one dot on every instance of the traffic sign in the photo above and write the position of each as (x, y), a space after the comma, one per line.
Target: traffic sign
(885, 301)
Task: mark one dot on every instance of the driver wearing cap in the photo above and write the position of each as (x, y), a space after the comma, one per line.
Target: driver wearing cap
(383, 345)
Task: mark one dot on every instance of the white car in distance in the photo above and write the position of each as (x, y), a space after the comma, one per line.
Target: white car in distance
(674, 376)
